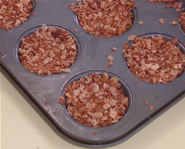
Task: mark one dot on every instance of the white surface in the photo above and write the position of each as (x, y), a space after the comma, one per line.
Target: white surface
(23, 128)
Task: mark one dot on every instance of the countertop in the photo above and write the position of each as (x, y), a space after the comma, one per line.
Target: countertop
(23, 128)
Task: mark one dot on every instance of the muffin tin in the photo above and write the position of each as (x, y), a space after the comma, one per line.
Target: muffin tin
(44, 91)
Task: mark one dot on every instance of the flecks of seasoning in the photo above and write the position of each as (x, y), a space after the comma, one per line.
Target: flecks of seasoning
(94, 133)
(113, 49)
(152, 107)
(141, 22)
(62, 100)
(54, 112)
(161, 21)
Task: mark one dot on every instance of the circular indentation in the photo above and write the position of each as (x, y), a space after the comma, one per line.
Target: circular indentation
(15, 12)
(105, 18)
(96, 99)
(155, 57)
(47, 50)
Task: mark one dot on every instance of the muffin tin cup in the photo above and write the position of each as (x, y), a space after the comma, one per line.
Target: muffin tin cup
(104, 135)
(44, 91)
(32, 30)
(168, 37)
(134, 20)
(32, 14)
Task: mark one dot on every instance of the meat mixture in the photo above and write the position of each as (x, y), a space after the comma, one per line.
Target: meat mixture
(105, 18)
(96, 100)
(48, 51)
(182, 20)
(156, 59)
(14, 12)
